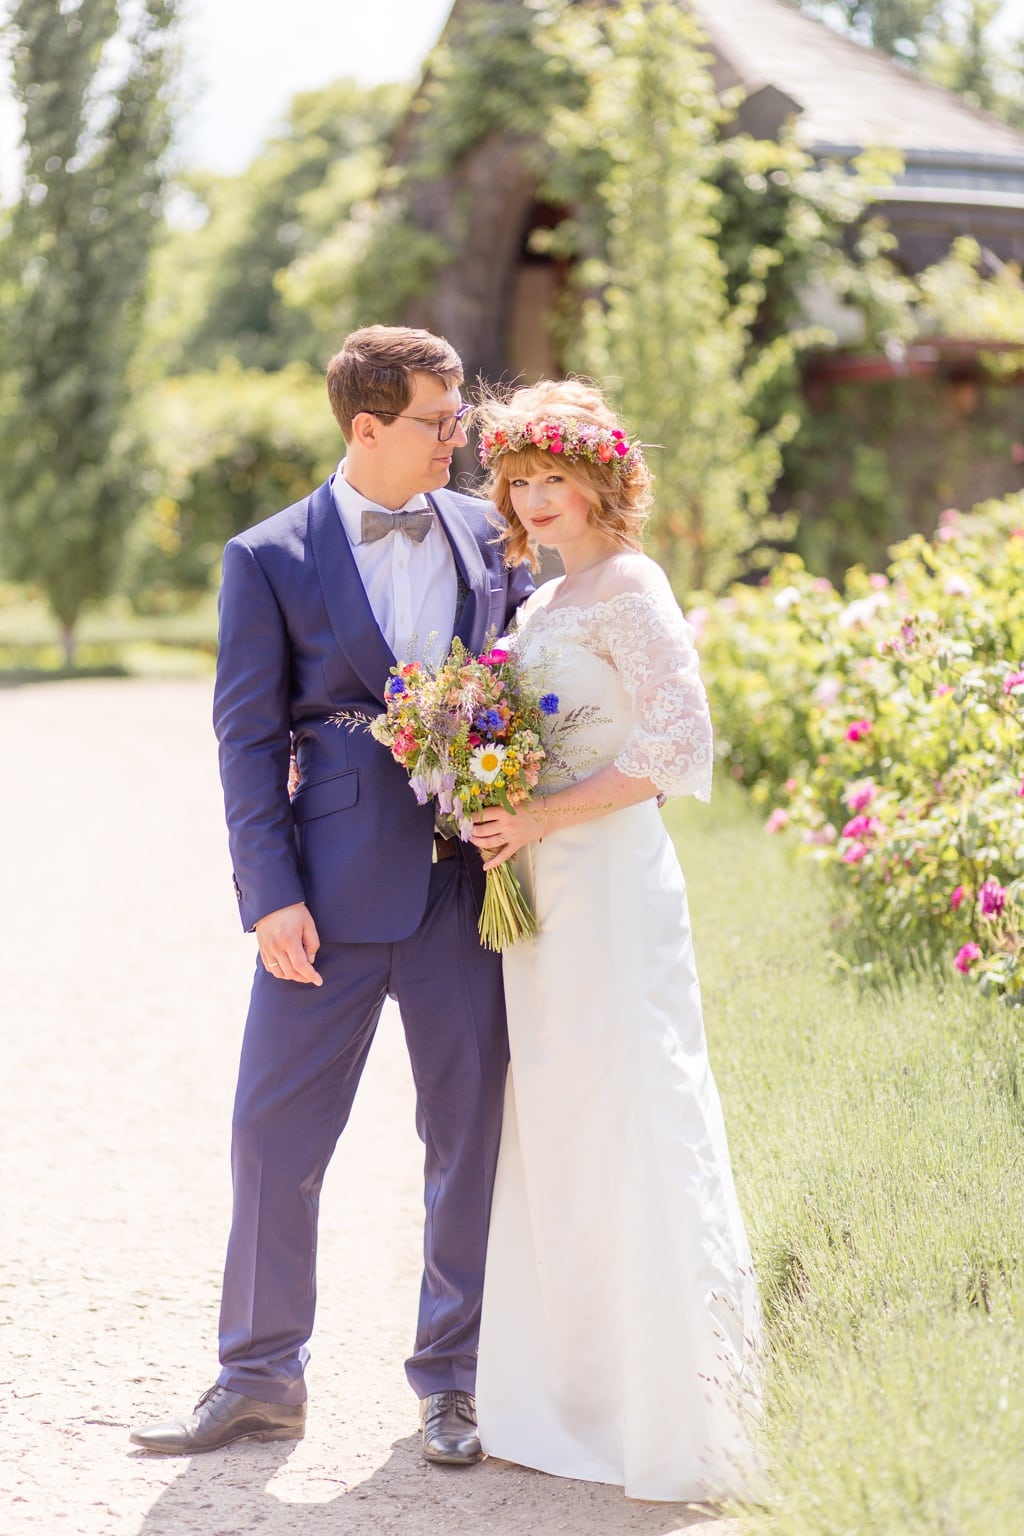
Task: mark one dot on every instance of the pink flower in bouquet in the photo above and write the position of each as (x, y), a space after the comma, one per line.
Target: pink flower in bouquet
(854, 853)
(966, 955)
(778, 820)
(858, 730)
(992, 898)
(958, 898)
(862, 826)
(494, 657)
(859, 795)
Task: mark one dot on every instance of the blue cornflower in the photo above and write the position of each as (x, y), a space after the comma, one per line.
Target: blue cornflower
(488, 720)
(549, 704)
(395, 687)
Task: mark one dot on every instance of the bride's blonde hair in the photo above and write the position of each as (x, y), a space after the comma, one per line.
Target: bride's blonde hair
(611, 473)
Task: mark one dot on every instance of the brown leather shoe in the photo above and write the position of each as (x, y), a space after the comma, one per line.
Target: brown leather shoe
(449, 1429)
(219, 1418)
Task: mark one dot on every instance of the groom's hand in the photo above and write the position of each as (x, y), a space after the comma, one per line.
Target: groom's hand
(288, 943)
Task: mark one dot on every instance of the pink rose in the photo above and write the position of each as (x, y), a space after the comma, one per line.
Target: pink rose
(778, 820)
(958, 898)
(992, 898)
(966, 955)
(854, 853)
(859, 795)
(858, 730)
(493, 658)
(862, 826)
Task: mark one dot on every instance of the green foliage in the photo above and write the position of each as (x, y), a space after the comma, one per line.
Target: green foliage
(74, 261)
(216, 289)
(874, 1138)
(501, 70)
(886, 723)
(663, 327)
(229, 447)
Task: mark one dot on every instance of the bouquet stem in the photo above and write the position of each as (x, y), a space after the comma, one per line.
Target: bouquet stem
(505, 916)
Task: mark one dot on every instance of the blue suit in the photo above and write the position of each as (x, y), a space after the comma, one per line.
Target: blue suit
(298, 644)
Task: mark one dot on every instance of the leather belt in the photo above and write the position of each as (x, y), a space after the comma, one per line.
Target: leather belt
(445, 847)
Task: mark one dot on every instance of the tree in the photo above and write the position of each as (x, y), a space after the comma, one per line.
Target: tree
(74, 265)
(662, 327)
(217, 289)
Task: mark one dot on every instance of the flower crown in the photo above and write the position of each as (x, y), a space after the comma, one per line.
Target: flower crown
(572, 439)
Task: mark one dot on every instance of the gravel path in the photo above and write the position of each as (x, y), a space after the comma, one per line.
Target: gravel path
(122, 994)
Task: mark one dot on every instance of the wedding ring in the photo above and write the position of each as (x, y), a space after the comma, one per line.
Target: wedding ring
(274, 965)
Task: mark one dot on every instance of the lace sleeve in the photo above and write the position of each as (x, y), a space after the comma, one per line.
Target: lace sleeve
(653, 650)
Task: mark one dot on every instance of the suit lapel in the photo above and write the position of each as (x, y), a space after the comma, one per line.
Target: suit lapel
(471, 622)
(348, 607)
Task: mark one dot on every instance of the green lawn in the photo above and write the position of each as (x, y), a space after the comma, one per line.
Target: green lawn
(877, 1141)
(112, 640)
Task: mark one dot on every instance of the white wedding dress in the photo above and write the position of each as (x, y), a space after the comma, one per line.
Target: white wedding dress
(620, 1330)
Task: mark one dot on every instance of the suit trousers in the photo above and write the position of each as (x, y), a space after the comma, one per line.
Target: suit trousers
(303, 1053)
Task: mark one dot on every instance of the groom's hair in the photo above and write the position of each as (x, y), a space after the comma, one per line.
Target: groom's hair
(373, 371)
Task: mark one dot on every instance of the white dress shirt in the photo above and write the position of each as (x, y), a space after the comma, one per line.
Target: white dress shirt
(412, 587)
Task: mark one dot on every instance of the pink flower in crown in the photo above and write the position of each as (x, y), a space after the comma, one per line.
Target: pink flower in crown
(966, 956)
(556, 445)
(858, 730)
(958, 898)
(992, 898)
(621, 448)
(854, 853)
(537, 434)
(859, 795)
(605, 452)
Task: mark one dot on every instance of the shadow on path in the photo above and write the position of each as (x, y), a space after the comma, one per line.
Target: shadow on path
(230, 1493)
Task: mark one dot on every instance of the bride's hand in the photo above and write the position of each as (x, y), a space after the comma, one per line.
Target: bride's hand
(499, 834)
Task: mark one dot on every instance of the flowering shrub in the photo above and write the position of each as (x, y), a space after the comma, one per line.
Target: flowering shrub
(885, 725)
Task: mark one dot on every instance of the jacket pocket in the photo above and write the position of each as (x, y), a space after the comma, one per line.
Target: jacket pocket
(325, 796)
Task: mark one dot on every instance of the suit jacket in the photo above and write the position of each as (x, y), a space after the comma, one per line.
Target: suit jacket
(299, 643)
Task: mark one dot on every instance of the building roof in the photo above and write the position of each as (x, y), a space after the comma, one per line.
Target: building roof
(848, 96)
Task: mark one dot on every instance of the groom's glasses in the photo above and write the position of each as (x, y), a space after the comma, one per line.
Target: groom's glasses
(447, 426)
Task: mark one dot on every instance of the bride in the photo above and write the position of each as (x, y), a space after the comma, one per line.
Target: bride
(620, 1327)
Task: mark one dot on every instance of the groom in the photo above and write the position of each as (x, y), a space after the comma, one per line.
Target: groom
(351, 895)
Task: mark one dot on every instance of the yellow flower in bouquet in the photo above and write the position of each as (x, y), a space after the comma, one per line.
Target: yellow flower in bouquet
(470, 733)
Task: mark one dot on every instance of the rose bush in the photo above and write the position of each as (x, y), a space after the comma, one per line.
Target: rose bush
(884, 725)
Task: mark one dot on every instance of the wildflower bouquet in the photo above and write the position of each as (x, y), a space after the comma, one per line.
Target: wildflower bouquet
(469, 732)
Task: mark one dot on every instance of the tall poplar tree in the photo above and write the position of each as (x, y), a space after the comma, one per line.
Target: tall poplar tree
(92, 82)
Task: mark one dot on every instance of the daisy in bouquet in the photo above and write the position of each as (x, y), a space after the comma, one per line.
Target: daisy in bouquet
(471, 735)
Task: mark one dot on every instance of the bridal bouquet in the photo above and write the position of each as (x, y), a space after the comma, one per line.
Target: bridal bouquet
(469, 732)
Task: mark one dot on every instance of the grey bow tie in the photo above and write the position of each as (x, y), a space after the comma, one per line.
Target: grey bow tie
(377, 525)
